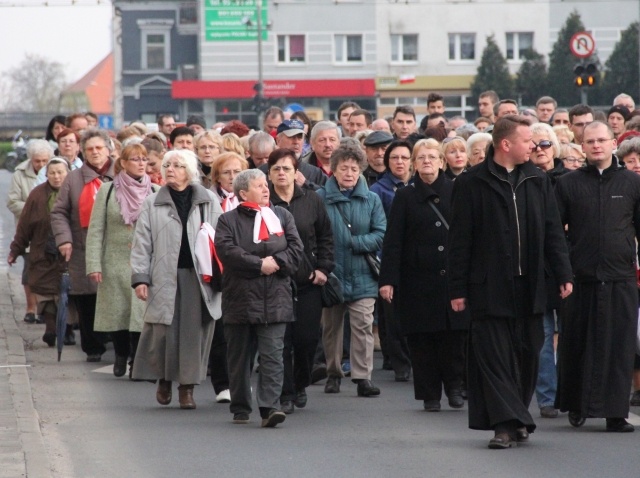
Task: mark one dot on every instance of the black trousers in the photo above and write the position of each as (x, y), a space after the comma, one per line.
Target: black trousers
(438, 359)
(91, 342)
(125, 343)
(301, 341)
(395, 344)
(218, 359)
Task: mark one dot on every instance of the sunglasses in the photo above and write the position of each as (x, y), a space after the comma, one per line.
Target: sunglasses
(544, 144)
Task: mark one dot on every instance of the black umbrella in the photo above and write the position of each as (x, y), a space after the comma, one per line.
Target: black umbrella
(63, 300)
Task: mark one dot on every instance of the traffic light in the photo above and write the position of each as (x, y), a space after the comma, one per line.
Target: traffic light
(585, 75)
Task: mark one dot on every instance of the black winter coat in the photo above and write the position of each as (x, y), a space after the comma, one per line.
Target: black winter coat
(615, 195)
(314, 228)
(480, 254)
(414, 257)
(248, 297)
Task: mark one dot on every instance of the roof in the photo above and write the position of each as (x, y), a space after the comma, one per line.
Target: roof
(97, 84)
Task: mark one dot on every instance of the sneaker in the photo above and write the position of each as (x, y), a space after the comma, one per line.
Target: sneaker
(275, 417)
(635, 399)
(548, 412)
(30, 318)
(224, 397)
(241, 418)
(287, 407)
(346, 368)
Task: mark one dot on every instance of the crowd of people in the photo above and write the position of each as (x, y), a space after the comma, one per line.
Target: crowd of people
(490, 260)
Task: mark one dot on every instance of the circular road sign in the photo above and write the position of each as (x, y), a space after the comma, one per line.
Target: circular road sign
(582, 45)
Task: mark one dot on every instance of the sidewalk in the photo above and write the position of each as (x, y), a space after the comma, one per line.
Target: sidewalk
(22, 451)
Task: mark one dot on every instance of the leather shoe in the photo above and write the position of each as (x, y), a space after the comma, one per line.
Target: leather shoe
(522, 435)
(94, 357)
(49, 338)
(431, 405)
(287, 407)
(120, 366)
(502, 441)
(548, 412)
(619, 425)
(301, 399)
(386, 363)
(402, 376)
(367, 389)
(185, 397)
(332, 385)
(163, 394)
(455, 399)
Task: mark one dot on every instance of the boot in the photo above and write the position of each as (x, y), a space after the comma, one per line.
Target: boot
(69, 336)
(185, 396)
(49, 336)
(163, 394)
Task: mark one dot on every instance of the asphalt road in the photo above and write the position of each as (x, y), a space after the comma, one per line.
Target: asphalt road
(96, 425)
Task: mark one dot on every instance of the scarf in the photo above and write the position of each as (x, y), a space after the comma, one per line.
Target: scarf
(130, 193)
(87, 198)
(230, 201)
(51, 199)
(205, 252)
(265, 223)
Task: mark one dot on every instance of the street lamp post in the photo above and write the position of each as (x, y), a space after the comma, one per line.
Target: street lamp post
(260, 79)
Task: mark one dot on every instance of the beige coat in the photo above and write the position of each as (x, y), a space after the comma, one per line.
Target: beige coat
(65, 223)
(156, 247)
(22, 182)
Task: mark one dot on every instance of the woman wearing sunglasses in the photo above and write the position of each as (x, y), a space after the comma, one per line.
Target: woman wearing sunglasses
(545, 154)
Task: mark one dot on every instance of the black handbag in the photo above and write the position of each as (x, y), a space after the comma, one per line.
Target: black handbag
(331, 291)
(371, 257)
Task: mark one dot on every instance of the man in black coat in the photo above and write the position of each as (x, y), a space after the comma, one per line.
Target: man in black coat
(600, 204)
(505, 223)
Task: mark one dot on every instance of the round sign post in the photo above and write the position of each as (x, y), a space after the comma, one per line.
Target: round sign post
(582, 45)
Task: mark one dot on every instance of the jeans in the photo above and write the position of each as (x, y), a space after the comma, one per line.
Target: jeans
(547, 383)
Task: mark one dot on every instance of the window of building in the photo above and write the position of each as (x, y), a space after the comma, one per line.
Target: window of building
(462, 46)
(404, 48)
(156, 47)
(188, 13)
(155, 44)
(517, 44)
(348, 48)
(291, 49)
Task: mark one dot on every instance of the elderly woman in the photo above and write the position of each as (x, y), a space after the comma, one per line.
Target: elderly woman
(69, 149)
(227, 167)
(358, 223)
(629, 154)
(70, 219)
(572, 156)
(413, 280)
(180, 306)
(34, 230)
(477, 145)
(260, 251)
(208, 147)
(24, 179)
(454, 150)
(563, 133)
(546, 151)
(314, 228)
(113, 220)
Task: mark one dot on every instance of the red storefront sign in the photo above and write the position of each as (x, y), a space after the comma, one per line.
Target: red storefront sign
(188, 90)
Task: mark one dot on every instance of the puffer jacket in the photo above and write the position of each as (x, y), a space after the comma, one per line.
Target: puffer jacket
(386, 188)
(22, 182)
(248, 296)
(156, 247)
(368, 224)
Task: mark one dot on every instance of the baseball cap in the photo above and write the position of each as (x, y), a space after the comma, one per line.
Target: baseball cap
(291, 127)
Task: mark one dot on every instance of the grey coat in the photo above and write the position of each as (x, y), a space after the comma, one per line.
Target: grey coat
(156, 247)
(65, 224)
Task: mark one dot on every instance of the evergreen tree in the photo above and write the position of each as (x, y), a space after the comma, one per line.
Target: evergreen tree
(493, 73)
(621, 69)
(531, 80)
(561, 78)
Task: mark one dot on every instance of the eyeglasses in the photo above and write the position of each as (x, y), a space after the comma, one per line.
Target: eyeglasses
(230, 172)
(427, 159)
(399, 158)
(91, 149)
(139, 160)
(173, 165)
(68, 141)
(573, 160)
(449, 139)
(286, 169)
(544, 144)
(592, 142)
(209, 146)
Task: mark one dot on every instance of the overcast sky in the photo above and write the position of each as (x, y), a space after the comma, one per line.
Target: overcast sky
(78, 37)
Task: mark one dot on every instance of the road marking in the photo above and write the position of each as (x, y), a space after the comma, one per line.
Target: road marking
(106, 369)
(634, 419)
(14, 366)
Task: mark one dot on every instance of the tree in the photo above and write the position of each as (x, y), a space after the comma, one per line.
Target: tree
(621, 68)
(36, 84)
(562, 62)
(531, 80)
(493, 72)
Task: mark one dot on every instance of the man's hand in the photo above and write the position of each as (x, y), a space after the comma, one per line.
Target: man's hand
(66, 250)
(386, 292)
(566, 290)
(458, 305)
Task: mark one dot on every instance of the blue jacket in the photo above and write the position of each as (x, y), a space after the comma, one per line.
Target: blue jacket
(386, 187)
(368, 224)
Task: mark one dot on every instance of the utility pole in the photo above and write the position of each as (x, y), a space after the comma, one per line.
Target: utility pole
(260, 78)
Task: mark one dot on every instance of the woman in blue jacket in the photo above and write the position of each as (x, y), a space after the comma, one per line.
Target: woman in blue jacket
(358, 223)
